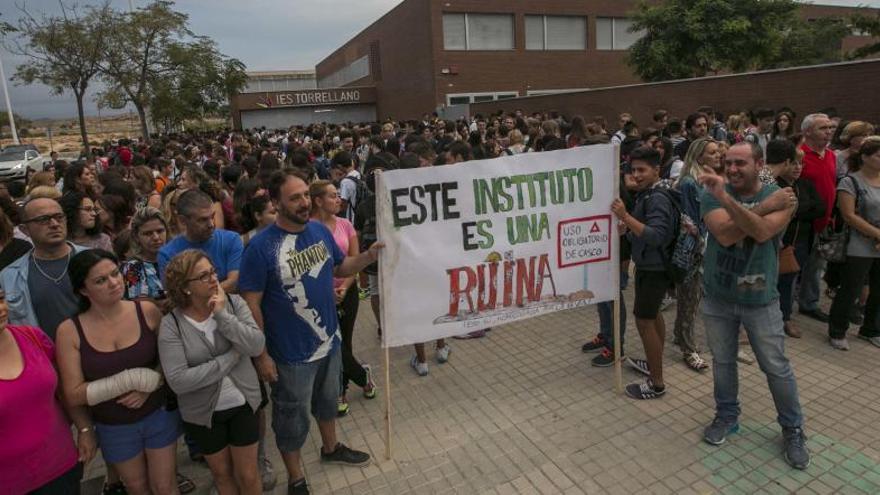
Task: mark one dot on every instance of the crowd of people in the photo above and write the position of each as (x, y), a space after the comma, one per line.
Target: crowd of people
(179, 287)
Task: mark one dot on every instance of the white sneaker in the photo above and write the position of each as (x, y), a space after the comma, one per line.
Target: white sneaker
(420, 368)
(443, 354)
(839, 344)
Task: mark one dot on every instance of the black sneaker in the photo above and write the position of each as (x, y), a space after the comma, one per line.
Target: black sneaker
(604, 359)
(716, 433)
(598, 343)
(795, 445)
(644, 391)
(115, 488)
(299, 487)
(346, 456)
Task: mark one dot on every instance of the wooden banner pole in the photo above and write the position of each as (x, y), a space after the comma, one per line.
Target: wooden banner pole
(615, 274)
(387, 405)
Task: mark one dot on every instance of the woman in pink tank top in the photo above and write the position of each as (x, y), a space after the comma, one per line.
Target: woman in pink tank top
(325, 206)
(38, 454)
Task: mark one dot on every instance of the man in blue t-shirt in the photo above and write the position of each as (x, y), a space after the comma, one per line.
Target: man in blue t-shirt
(745, 219)
(196, 211)
(287, 281)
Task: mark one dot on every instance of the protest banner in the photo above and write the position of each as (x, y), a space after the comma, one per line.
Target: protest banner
(483, 243)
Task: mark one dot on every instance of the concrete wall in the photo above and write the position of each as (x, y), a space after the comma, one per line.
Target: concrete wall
(850, 87)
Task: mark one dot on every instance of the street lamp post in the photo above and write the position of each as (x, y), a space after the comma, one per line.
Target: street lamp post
(8, 105)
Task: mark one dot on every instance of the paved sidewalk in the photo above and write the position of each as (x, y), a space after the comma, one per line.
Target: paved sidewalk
(522, 411)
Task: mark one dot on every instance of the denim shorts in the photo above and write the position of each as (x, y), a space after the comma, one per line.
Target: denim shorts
(302, 388)
(374, 284)
(120, 443)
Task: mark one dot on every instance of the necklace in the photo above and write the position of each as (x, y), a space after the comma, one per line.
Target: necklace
(53, 279)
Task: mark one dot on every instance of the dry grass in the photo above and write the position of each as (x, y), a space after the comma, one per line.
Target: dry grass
(65, 132)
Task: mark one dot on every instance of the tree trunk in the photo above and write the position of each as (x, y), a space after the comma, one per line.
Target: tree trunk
(82, 121)
(142, 115)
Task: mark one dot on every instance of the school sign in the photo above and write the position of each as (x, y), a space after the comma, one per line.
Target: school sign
(483, 243)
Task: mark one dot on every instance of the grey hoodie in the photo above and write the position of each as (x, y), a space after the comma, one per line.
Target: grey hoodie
(654, 209)
(195, 369)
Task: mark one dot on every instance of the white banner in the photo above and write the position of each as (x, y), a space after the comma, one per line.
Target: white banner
(483, 243)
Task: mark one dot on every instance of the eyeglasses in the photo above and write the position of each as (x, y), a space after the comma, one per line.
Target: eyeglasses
(91, 209)
(47, 219)
(204, 277)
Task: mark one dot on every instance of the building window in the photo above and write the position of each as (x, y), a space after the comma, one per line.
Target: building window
(358, 69)
(612, 33)
(465, 98)
(478, 32)
(556, 32)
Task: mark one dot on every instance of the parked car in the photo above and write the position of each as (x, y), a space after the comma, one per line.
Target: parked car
(20, 147)
(16, 160)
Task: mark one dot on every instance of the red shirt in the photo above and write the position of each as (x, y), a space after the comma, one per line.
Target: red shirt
(822, 172)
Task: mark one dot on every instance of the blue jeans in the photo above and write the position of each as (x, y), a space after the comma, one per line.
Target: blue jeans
(606, 310)
(764, 327)
(785, 285)
(302, 388)
(811, 277)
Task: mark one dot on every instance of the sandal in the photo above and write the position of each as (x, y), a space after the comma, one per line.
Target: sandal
(695, 362)
(184, 484)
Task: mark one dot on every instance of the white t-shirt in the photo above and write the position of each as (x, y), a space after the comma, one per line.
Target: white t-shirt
(675, 169)
(230, 395)
(348, 192)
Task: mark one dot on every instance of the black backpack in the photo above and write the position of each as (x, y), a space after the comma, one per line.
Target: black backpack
(680, 258)
(362, 192)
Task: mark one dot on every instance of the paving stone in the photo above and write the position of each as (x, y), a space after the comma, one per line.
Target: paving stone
(522, 411)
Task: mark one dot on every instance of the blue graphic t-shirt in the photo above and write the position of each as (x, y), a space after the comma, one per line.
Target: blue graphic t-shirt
(294, 271)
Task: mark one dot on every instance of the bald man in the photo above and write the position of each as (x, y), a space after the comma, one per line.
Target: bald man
(37, 285)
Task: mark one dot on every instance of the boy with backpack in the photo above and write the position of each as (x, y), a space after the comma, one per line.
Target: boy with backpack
(352, 188)
(653, 229)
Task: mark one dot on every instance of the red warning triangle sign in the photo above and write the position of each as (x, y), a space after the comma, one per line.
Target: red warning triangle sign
(595, 228)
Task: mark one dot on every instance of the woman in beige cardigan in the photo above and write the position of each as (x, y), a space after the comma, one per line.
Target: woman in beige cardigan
(205, 344)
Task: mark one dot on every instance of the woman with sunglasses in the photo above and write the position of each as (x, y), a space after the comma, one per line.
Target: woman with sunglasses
(205, 344)
(108, 359)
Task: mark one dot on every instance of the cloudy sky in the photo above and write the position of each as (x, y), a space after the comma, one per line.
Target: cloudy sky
(264, 34)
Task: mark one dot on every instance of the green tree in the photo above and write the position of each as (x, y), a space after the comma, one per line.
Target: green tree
(155, 62)
(63, 52)
(870, 26)
(202, 83)
(136, 55)
(810, 43)
(695, 38)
